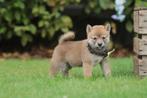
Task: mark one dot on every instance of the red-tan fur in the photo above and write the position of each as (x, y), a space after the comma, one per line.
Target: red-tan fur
(76, 53)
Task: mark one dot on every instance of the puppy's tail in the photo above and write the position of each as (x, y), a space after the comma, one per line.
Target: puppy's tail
(67, 37)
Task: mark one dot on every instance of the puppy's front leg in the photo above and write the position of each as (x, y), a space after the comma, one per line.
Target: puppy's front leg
(106, 67)
(87, 68)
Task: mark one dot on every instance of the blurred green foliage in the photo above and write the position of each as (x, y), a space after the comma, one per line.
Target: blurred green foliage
(26, 19)
(97, 6)
(141, 3)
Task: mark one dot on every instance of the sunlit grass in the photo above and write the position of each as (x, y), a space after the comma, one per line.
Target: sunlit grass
(29, 79)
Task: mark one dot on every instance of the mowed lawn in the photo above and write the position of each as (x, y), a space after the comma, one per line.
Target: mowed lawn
(29, 79)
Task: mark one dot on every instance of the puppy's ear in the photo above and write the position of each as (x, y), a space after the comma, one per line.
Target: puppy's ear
(88, 28)
(108, 27)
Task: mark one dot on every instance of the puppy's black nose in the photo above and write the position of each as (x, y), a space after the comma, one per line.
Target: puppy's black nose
(99, 44)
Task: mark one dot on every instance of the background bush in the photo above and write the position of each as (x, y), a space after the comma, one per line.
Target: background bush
(25, 19)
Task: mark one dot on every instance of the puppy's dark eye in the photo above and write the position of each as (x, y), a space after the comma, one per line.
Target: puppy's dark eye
(103, 37)
(94, 38)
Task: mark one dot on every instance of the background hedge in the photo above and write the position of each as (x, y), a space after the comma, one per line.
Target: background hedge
(25, 19)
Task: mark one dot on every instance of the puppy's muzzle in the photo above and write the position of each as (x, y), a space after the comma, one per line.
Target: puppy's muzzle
(100, 45)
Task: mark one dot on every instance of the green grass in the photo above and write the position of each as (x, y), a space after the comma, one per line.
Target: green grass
(29, 79)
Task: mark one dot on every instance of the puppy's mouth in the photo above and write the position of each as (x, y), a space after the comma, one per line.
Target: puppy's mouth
(100, 47)
(101, 51)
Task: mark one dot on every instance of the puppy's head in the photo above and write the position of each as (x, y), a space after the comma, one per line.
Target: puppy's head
(98, 35)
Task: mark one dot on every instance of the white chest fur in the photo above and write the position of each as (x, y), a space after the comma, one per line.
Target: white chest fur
(96, 59)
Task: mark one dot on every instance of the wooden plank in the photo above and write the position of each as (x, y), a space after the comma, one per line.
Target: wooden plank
(140, 21)
(135, 44)
(140, 61)
(140, 65)
(140, 46)
(143, 67)
(142, 30)
(136, 20)
(142, 70)
(135, 61)
(140, 42)
(143, 61)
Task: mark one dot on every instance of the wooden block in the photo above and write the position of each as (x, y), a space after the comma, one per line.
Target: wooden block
(135, 61)
(136, 19)
(140, 45)
(140, 21)
(140, 65)
(140, 41)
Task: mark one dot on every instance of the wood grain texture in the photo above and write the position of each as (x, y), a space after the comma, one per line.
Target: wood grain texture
(140, 21)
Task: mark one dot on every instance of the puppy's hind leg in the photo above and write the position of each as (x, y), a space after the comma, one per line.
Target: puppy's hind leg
(53, 69)
(65, 69)
(55, 66)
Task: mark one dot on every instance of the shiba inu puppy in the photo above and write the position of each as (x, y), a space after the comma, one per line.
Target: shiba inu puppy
(85, 53)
